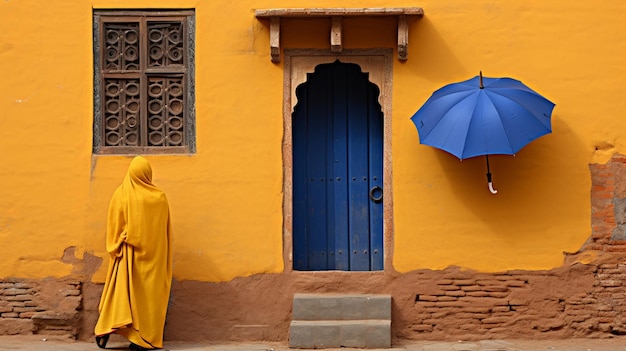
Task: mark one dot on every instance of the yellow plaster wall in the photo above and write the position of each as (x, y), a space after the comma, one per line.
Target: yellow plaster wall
(571, 53)
(226, 199)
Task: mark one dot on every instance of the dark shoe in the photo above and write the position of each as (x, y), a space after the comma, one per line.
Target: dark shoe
(102, 340)
(135, 347)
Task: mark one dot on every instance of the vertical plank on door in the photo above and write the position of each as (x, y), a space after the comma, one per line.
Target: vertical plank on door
(358, 171)
(299, 181)
(316, 172)
(375, 117)
(339, 83)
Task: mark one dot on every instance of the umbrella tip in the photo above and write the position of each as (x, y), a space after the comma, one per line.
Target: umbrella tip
(481, 79)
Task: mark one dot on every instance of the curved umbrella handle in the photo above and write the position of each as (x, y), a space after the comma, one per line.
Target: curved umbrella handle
(493, 191)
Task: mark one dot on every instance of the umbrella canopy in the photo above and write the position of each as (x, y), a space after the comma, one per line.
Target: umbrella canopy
(483, 116)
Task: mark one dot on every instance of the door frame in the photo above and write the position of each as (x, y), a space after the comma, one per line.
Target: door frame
(297, 63)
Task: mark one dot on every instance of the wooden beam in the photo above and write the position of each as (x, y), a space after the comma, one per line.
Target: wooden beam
(403, 38)
(330, 12)
(336, 15)
(275, 39)
(335, 34)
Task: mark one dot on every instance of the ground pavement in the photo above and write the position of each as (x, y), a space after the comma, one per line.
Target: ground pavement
(39, 343)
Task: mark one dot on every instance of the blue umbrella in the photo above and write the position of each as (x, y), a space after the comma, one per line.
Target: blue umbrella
(483, 116)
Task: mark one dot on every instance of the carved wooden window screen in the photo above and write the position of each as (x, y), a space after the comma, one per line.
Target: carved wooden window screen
(144, 67)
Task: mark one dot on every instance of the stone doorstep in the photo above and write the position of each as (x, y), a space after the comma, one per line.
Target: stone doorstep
(371, 334)
(341, 307)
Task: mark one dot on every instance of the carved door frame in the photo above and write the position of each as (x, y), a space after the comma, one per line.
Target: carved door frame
(298, 62)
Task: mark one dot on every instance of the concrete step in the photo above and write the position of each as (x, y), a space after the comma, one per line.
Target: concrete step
(341, 307)
(370, 334)
(334, 321)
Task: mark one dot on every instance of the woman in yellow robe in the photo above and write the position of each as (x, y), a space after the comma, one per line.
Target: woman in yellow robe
(138, 239)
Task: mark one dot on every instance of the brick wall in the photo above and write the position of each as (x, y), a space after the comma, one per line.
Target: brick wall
(580, 300)
(608, 206)
(47, 306)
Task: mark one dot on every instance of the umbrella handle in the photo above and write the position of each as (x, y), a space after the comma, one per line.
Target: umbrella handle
(493, 191)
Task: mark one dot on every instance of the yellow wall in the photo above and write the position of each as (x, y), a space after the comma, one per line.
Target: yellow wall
(226, 199)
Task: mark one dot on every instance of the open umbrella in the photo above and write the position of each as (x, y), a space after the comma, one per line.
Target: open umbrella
(483, 116)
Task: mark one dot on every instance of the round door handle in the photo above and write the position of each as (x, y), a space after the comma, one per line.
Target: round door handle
(376, 194)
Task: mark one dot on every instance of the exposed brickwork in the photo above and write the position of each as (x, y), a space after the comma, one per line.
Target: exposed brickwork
(40, 306)
(604, 307)
(608, 206)
(467, 302)
(583, 300)
(16, 300)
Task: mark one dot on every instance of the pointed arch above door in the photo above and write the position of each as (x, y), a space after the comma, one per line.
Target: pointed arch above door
(378, 65)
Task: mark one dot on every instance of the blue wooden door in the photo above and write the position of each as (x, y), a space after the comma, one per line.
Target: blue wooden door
(337, 171)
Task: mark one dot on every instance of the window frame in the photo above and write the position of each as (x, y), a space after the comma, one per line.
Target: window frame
(187, 70)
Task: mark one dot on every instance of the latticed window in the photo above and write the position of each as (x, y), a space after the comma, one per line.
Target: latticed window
(143, 87)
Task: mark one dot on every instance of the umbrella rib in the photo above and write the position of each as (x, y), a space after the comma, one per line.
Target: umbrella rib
(470, 123)
(547, 128)
(523, 105)
(466, 93)
(500, 120)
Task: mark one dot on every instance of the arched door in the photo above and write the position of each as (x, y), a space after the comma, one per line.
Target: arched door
(337, 171)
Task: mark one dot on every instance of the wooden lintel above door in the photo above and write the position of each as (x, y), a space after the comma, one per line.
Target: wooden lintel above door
(336, 15)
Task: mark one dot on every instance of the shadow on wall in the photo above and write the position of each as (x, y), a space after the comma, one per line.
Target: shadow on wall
(531, 185)
(437, 53)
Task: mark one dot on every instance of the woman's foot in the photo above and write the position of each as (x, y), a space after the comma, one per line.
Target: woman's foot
(101, 340)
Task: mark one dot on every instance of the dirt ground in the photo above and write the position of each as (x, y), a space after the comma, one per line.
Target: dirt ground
(51, 343)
